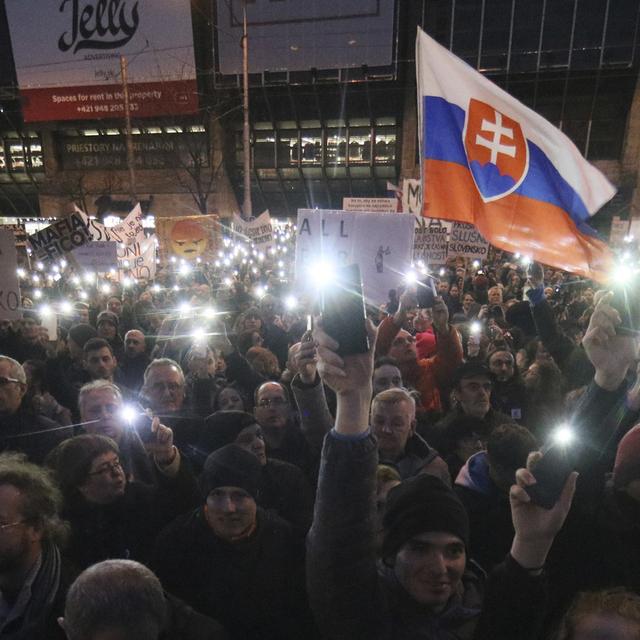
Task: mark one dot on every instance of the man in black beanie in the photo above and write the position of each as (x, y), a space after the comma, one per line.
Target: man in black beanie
(233, 561)
(284, 489)
(422, 585)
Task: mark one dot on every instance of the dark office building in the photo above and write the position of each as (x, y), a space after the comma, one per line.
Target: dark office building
(332, 104)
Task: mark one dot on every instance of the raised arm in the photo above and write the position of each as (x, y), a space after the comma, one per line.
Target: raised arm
(341, 561)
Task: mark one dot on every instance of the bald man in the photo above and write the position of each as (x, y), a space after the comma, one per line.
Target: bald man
(135, 359)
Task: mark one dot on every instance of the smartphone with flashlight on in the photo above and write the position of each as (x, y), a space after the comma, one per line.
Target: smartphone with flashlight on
(626, 302)
(343, 311)
(551, 474)
(426, 292)
(141, 424)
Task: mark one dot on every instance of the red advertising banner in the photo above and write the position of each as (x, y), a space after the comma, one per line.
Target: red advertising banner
(147, 99)
(67, 55)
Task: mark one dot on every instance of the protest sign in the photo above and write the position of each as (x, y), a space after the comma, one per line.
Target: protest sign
(97, 256)
(412, 196)
(259, 231)
(10, 307)
(430, 241)
(465, 241)
(621, 228)
(57, 239)
(380, 244)
(138, 260)
(370, 205)
(130, 230)
(188, 237)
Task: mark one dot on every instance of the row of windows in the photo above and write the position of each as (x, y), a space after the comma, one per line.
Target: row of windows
(322, 147)
(19, 155)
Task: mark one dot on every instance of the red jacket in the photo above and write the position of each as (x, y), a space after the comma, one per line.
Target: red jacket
(428, 375)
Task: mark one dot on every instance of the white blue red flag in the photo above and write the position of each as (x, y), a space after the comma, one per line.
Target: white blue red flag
(489, 160)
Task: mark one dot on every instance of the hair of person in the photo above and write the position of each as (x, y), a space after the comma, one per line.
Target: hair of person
(17, 371)
(244, 341)
(385, 360)
(162, 362)
(394, 396)
(216, 400)
(509, 445)
(256, 393)
(118, 595)
(70, 461)
(263, 361)
(608, 602)
(98, 385)
(95, 344)
(38, 372)
(41, 499)
(497, 348)
(386, 473)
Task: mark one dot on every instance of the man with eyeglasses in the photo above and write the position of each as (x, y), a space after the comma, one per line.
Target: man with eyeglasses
(33, 578)
(283, 438)
(233, 561)
(21, 429)
(163, 391)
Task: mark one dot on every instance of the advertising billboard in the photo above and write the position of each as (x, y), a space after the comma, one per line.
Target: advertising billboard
(289, 35)
(67, 57)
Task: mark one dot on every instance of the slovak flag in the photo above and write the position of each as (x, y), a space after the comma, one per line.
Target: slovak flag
(489, 160)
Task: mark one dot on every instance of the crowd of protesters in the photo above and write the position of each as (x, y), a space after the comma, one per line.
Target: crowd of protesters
(188, 459)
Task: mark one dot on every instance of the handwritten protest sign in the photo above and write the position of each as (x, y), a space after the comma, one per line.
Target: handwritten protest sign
(430, 241)
(57, 239)
(259, 231)
(138, 260)
(467, 242)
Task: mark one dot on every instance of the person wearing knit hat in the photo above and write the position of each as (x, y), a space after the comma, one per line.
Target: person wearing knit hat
(626, 467)
(284, 488)
(107, 318)
(421, 585)
(243, 565)
(422, 505)
(231, 466)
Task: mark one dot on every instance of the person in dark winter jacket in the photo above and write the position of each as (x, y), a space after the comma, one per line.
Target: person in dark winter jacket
(20, 428)
(423, 586)
(123, 599)
(508, 395)
(33, 577)
(483, 487)
(284, 489)
(110, 517)
(233, 561)
(393, 420)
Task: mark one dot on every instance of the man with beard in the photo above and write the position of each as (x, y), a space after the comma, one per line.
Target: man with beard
(135, 360)
(32, 579)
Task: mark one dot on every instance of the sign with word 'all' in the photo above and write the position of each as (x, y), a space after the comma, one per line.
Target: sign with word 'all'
(381, 244)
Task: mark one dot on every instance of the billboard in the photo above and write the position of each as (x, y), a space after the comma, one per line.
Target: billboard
(290, 35)
(67, 57)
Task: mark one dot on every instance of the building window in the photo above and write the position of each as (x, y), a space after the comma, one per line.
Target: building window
(16, 156)
(385, 145)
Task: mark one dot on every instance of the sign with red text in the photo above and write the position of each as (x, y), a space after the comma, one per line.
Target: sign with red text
(67, 57)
